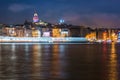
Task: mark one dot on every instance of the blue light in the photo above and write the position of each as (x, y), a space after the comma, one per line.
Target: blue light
(61, 21)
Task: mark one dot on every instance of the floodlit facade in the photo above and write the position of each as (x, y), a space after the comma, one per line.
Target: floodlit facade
(35, 18)
(65, 33)
(36, 33)
(56, 32)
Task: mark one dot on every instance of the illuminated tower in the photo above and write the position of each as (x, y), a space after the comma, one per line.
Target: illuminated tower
(35, 18)
(61, 21)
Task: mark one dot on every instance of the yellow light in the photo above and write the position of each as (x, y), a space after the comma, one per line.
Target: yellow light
(56, 32)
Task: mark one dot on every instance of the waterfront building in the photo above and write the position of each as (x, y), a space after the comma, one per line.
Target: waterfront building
(91, 36)
(56, 32)
(99, 33)
(78, 31)
(9, 31)
(46, 34)
(27, 32)
(118, 35)
(75, 32)
(105, 36)
(65, 32)
(20, 31)
(36, 33)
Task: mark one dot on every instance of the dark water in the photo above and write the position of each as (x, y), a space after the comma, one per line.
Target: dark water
(60, 61)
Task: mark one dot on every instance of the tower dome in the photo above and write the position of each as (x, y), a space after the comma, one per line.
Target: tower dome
(35, 18)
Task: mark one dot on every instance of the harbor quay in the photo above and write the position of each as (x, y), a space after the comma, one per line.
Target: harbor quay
(42, 39)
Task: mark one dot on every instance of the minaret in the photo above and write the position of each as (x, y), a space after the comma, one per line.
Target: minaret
(35, 18)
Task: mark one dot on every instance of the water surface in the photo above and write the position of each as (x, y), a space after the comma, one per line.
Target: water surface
(59, 61)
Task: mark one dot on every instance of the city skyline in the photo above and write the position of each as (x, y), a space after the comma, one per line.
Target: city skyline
(94, 13)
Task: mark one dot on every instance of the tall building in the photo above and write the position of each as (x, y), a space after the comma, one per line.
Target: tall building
(35, 18)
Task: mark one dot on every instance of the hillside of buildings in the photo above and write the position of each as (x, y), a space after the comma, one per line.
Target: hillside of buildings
(39, 28)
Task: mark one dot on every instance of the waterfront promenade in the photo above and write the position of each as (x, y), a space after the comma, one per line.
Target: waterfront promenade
(42, 39)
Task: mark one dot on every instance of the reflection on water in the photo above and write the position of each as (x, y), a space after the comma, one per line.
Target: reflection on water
(59, 61)
(55, 64)
(36, 62)
(113, 64)
(8, 63)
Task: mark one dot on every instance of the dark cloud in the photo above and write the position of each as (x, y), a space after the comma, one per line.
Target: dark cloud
(19, 7)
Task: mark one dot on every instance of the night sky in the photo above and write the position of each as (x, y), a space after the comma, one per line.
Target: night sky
(96, 13)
